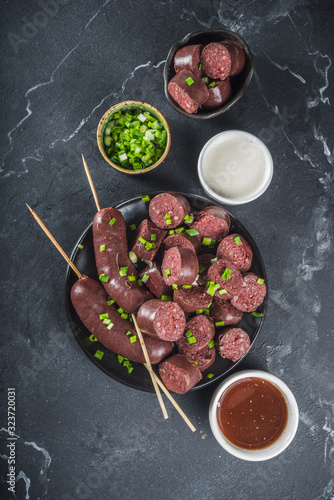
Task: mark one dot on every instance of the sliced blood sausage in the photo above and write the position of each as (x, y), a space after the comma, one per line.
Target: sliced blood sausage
(189, 57)
(226, 275)
(181, 240)
(205, 260)
(192, 299)
(147, 240)
(219, 93)
(90, 300)
(212, 222)
(233, 343)
(236, 249)
(237, 55)
(188, 90)
(222, 310)
(251, 293)
(216, 61)
(179, 266)
(179, 374)
(155, 282)
(200, 330)
(203, 358)
(113, 263)
(161, 319)
(167, 210)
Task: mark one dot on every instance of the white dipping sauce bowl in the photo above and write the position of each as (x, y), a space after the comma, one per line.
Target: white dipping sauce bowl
(284, 439)
(235, 167)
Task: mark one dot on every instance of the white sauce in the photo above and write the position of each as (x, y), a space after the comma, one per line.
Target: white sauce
(235, 166)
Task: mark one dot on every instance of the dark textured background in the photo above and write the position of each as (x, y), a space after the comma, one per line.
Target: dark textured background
(80, 434)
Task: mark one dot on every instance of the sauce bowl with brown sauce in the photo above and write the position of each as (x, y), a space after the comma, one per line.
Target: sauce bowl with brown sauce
(253, 415)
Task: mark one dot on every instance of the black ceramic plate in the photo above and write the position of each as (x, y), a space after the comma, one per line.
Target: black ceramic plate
(239, 83)
(134, 210)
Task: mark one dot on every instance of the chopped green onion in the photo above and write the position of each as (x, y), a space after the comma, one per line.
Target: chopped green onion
(189, 81)
(166, 297)
(133, 257)
(222, 291)
(120, 358)
(109, 327)
(212, 289)
(212, 84)
(112, 221)
(199, 66)
(104, 316)
(149, 245)
(260, 281)
(132, 278)
(219, 323)
(192, 232)
(146, 198)
(237, 240)
(187, 286)
(104, 278)
(205, 80)
(257, 314)
(141, 117)
(167, 216)
(80, 245)
(213, 260)
(153, 237)
(99, 354)
(102, 248)
(199, 311)
(210, 375)
(92, 338)
(133, 227)
(145, 278)
(124, 315)
(171, 231)
(211, 344)
(120, 310)
(179, 229)
(168, 221)
(201, 269)
(192, 340)
(128, 333)
(207, 311)
(188, 333)
(226, 274)
(206, 241)
(167, 272)
(123, 271)
(174, 286)
(142, 240)
(139, 282)
(188, 218)
(196, 362)
(110, 302)
(133, 339)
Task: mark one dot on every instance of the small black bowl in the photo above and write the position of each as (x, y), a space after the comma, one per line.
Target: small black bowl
(239, 83)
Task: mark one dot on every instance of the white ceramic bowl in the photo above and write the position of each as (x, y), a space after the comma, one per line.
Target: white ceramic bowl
(235, 167)
(284, 439)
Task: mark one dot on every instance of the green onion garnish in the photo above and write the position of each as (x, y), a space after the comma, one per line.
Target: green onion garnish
(146, 198)
(153, 237)
(188, 218)
(226, 274)
(222, 291)
(132, 278)
(166, 217)
(213, 260)
(80, 245)
(212, 289)
(210, 375)
(187, 286)
(174, 286)
(142, 240)
(109, 327)
(237, 240)
(212, 84)
(196, 362)
(99, 354)
(133, 257)
(133, 339)
(207, 311)
(211, 344)
(192, 232)
(92, 338)
(133, 227)
(104, 278)
(149, 245)
(104, 316)
(167, 272)
(179, 229)
(123, 271)
(257, 314)
(192, 340)
(206, 241)
(166, 297)
(145, 278)
(120, 310)
(201, 269)
(128, 333)
(260, 281)
(171, 231)
(189, 81)
(124, 315)
(102, 248)
(199, 66)
(106, 321)
(139, 282)
(188, 333)
(110, 302)
(199, 311)
(120, 358)
(219, 323)
(112, 221)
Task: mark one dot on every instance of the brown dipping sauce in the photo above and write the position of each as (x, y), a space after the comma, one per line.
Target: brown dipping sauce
(252, 413)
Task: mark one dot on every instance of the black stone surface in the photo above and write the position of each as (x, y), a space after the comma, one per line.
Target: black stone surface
(80, 434)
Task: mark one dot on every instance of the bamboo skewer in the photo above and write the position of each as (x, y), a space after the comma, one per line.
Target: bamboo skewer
(149, 367)
(90, 180)
(56, 244)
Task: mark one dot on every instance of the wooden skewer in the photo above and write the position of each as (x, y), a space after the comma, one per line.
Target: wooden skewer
(149, 367)
(56, 244)
(174, 403)
(141, 340)
(90, 180)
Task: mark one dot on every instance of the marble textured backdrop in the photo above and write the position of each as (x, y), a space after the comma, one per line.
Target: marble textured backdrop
(80, 434)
